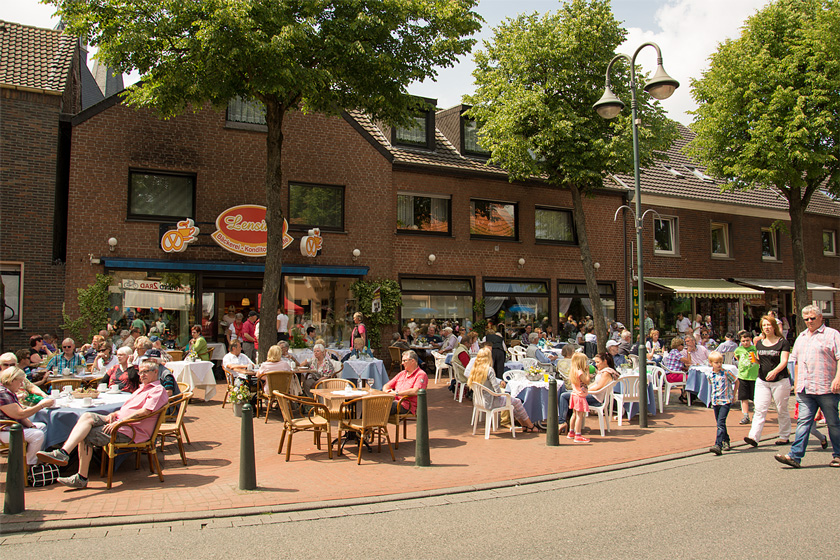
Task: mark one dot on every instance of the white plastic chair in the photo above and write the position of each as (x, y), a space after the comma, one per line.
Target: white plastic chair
(657, 375)
(634, 361)
(461, 380)
(529, 362)
(440, 365)
(605, 410)
(629, 394)
(667, 385)
(480, 393)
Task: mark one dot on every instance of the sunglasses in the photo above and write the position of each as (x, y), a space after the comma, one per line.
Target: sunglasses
(8, 364)
(67, 346)
(809, 319)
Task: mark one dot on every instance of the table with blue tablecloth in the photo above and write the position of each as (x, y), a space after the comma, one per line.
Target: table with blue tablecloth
(61, 419)
(510, 366)
(697, 383)
(372, 370)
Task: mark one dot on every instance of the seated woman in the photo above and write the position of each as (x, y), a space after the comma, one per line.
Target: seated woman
(104, 359)
(12, 380)
(274, 362)
(472, 343)
(482, 374)
(285, 355)
(605, 373)
(654, 347)
(124, 375)
(320, 366)
(674, 366)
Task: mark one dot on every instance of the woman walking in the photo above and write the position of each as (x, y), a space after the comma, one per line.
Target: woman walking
(773, 381)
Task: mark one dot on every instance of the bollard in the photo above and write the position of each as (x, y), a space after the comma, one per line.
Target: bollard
(14, 502)
(552, 430)
(421, 447)
(247, 462)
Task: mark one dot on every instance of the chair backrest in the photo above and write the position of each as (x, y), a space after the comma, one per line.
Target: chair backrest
(278, 381)
(178, 403)
(655, 374)
(605, 393)
(334, 383)
(184, 387)
(337, 366)
(507, 376)
(396, 354)
(440, 359)
(529, 362)
(481, 396)
(284, 402)
(634, 360)
(629, 385)
(176, 355)
(513, 374)
(230, 375)
(333, 354)
(376, 409)
(459, 370)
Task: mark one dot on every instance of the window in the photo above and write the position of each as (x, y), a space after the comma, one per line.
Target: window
(769, 244)
(829, 243)
(512, 303)
(470, 135)
(573, 300)
(700, 175)
(720, 240)
(419, 134)
(493, 219)
(442, 298)
(316, 206)
(673, 171)
(423, 213)
(12, 276)
(161, 196)
(554, 225)
(665, 236)
(824, 301)
(246, 111)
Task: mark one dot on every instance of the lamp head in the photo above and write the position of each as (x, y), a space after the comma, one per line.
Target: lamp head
(609, 106)
(661, 86)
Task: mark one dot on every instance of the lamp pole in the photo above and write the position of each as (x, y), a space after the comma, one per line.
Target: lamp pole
(661, 86)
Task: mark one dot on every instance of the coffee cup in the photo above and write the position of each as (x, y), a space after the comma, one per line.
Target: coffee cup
(67, 389)
(87, 401)
(54, 394)
(102, 387)
(67, 372)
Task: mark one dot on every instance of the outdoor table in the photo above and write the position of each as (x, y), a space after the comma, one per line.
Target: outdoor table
(61, 419)
(217, 350)
(514, 365)
(302, 355)
(696, 381)
(329, 395)
(372, 370)
(633, 407)
(198, 375)
(534, 397)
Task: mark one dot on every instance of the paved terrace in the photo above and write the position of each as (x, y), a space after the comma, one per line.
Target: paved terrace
(209, 482)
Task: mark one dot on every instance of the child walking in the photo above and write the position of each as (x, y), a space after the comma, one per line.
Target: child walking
(747, 359)
(579, 377)
(721, 384)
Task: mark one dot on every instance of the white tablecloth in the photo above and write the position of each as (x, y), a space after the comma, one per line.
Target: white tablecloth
(198, 375)
(217, 350)
(373, 370)
(340, 351)
(302, 355)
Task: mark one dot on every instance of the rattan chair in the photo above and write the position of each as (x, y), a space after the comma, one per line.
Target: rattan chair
(375, 412)
(4, 448)
(115, 448)
(61, 382)
(316, 419)
(335, 384)
(174, 427)
(401, 417)
(274, 381)
(230, 376)
(396, 357)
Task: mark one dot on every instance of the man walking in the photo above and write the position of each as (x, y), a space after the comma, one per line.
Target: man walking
(817, 371)
(249, 335)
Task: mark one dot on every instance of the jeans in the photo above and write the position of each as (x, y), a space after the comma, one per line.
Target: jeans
(721, 412)
(808, 405)
(563, 404)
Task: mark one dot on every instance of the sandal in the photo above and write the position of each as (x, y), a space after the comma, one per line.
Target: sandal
(835, 462)
(563, 428)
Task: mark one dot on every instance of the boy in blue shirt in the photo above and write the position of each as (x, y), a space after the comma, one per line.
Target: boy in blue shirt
(721, 385)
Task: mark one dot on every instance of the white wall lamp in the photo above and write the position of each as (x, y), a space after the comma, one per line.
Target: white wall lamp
(356, 254)
(597, 265)
(432, 259)
(521, 262)
(112, 243)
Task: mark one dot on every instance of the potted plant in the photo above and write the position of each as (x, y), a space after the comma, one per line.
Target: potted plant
(238, 396)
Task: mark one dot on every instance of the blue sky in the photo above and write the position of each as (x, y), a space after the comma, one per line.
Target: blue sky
(687, 30)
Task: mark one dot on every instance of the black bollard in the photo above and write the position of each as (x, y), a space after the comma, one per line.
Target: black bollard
(14, 501)
(247, 461)
(552, 435)
(421, 447)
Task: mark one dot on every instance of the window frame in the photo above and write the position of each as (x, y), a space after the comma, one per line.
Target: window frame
(774, 236)
(542, 240)
(448, 198)
(826, 306)
(833, 236)
(726, 239)
(515, 205)
(471, 293)
(159, 217)
(464, 150)
(20, 266)
(429, 116)
(675, 237)
(240, 123)
(306, 227)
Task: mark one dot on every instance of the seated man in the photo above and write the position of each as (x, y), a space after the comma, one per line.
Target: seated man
(94, 430)
(165, 376)
(358, 352)
(450, 341)
(728, 345)
(625, 343)
(406, 384)
(124, 374)
(694, 354)
(614, 348)
(235, 358)
(435, 340)
(534, 351)
(68, 359)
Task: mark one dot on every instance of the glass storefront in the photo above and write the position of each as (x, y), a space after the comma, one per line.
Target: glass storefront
(424, 299)
(514, 304)
(573, 300)
(323, 302)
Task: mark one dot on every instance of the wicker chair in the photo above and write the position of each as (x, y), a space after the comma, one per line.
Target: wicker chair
(399, 417)
(61, 382)
(317, 420)
(335, 384)
(375, 412)
(174, 427)
(4, 448)
(274, 381)
(396, 357)
(115, 448)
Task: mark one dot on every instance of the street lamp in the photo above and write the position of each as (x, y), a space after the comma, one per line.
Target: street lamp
(660, 86)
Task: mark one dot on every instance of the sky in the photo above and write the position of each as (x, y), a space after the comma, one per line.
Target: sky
(688, 31)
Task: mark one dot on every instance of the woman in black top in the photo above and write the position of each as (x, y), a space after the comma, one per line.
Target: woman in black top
(497, 343)
(773, 381)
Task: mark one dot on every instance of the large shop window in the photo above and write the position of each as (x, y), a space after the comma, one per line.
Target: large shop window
(423, 213)
(515, 303)
(12, 276)
(316, 206)
(160, 196)
(323, 302)
(493, 220)
(162, 300)
(665, 240)
(573, 300)
(551, 224)
(437, 298)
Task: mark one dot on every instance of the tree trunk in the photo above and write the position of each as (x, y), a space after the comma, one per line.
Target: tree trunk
(588, 269)
(796, 208)
(274, 113)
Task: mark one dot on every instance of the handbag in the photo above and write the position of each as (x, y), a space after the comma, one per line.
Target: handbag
(43, 474)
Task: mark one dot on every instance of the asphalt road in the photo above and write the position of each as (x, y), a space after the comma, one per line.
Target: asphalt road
(741, 505)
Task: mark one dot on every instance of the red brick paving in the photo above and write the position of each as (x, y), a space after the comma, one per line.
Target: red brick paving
(210, 480)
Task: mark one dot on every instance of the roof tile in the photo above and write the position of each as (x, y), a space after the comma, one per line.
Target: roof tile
(34, 57)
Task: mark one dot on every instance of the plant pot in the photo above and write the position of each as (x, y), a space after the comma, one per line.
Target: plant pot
(237, 409)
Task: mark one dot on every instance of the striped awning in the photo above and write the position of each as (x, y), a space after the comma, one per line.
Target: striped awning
(785, 285)
(704, 287)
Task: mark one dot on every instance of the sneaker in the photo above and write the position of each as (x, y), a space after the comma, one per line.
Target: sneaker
(745, 420)
(751, 441)
(715, 449)
(570, 435)
(726, 446)
(54, 457)
(581, 439)
(75, 481)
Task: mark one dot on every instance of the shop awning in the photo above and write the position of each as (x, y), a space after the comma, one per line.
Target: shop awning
(224, 266)
(703, 287)
(783, 285)
(154, 300)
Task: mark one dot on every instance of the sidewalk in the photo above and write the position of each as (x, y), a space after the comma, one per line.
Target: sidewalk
(210, 480)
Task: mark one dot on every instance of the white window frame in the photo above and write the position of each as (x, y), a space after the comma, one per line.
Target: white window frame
(10, 266)
(833, 236)
(725, 228)
(826, 306)
(675, 237)
(774, 236)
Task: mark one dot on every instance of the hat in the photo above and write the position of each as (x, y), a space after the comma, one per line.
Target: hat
(611, 343)
(154, 338)
(619, 325)
(152, 353)
(252, 314)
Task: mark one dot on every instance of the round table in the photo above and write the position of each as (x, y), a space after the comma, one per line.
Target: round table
(61, 419)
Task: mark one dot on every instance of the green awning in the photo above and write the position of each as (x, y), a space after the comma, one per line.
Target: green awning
(703, 287)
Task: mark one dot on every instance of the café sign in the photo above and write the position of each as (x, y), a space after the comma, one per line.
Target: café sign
(242, 230)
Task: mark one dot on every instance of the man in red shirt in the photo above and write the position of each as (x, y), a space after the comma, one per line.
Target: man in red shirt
(249, 337)
(406, 384)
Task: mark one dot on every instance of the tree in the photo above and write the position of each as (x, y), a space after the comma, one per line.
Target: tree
(93, 309)
(312, 55)
(769, 111)
(535, 87)
(390, 298)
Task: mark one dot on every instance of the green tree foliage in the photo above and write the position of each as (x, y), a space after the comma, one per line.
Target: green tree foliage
(536, 82)
(769, 110)
(93, 310)
(391, 298)
(315, 55)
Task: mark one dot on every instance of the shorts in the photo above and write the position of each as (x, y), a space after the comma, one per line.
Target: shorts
(97, 436)
(746, 390)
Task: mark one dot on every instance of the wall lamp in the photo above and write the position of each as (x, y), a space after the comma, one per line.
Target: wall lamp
(521, 262)
(112, 243)
(432, 259)
(356, 254)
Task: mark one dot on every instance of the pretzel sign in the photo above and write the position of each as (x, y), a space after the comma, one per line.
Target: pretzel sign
(176, 240)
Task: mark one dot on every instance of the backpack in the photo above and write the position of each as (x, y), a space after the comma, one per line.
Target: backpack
(43, 474)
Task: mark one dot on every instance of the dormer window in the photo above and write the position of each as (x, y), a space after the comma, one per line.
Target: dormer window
(700, 175)
(470, 136)
(673, 171)
(420, 133)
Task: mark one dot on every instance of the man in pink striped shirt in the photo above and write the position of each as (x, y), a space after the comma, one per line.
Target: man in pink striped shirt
(817, 355)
